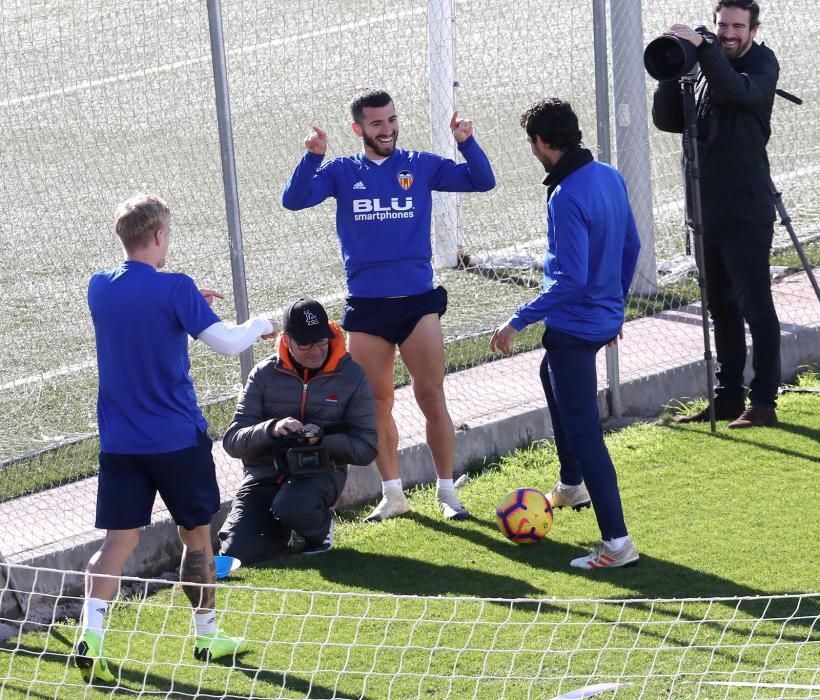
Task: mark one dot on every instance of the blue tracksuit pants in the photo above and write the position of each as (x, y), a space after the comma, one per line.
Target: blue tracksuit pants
(570, 384)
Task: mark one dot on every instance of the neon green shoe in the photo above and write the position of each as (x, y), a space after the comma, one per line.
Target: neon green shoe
(89, 659)
(216, 645)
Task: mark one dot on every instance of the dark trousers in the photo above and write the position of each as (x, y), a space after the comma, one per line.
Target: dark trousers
(738, 286)
(571, 386)
(264, 512)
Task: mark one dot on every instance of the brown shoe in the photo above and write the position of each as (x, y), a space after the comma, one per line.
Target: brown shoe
(755, 417)
(723, 411)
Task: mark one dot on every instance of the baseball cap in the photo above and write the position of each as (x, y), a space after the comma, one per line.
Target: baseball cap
(305, 320)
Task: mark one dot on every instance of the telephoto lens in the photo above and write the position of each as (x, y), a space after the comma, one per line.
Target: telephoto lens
(669, 58)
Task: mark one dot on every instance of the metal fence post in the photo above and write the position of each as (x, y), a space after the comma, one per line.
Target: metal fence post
(613, 378)
(223, 114)
(632, 131)
(441, 40)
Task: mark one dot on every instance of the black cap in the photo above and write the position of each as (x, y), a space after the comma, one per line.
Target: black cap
(305, 321)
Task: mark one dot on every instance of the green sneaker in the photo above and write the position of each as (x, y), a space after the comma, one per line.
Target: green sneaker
(216, 645)
(89, 659)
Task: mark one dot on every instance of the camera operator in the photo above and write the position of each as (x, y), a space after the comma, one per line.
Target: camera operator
(304, 414)
(734, 93)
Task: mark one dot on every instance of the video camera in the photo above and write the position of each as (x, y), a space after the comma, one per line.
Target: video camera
(671, 58)
(306, 460)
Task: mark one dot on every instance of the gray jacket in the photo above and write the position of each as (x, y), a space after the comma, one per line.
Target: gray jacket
(338, 399)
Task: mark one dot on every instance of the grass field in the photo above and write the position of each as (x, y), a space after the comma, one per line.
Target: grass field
(421, 608)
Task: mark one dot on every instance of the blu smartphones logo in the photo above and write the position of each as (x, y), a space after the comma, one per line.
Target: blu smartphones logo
(374, 210)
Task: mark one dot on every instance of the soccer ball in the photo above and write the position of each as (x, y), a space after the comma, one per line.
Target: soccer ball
(524, 516)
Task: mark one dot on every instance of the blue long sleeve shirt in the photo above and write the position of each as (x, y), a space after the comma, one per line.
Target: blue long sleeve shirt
(383, 211)
(592, 251)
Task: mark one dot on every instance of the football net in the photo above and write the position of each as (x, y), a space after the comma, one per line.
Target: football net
(347, 645)
(92, 111)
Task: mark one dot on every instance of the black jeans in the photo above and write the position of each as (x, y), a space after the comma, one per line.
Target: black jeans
(738, 286)
(264, 512)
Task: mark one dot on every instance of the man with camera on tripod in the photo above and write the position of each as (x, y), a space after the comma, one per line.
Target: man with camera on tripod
(734, 94)
(303, 416)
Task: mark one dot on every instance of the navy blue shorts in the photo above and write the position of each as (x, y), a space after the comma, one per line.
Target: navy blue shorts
(185, 479)
(392, 318)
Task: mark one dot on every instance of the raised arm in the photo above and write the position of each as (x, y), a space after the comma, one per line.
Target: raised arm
(475, 174)
(753, 88)
(310, 184)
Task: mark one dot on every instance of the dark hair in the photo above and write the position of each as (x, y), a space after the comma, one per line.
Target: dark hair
(753, 7)
(554, 121)
(368, 98)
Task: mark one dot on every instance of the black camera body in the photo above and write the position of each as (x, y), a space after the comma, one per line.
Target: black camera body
(671, 58)
(304, 435)
(308, 460)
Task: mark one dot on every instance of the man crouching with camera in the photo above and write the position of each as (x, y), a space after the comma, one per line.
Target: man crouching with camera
(303, 416)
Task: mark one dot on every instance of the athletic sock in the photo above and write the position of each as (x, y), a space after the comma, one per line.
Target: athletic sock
(444, 485)
(616, 544)
(205, 623)
(391, 488)
(94, 610)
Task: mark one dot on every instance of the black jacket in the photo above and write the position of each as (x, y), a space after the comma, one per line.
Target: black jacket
(338, 399)
(734, 102)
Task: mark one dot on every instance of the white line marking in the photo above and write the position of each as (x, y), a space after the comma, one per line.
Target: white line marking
(747, 684)
(51, 374)
(91, 364)
(589, 691)
(171, 67)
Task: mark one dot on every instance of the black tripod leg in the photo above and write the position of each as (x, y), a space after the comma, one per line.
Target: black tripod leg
(692, 170)
(786, 221)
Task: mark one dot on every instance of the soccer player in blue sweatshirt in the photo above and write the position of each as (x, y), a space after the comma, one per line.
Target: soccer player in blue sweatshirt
(592, 251)
(152, 432)
(383, 210)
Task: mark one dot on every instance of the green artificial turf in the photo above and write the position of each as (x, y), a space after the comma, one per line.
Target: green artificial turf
(714, 516)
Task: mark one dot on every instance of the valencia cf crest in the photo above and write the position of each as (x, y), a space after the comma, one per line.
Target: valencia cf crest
(405, 179)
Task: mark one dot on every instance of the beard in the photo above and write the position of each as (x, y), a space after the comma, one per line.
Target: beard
(381, 149)
(735, 51)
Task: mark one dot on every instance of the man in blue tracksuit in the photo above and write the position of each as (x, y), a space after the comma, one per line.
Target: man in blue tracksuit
(383, 211)
(592, 250)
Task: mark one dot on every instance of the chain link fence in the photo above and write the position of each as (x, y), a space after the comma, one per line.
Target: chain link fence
(100, 100)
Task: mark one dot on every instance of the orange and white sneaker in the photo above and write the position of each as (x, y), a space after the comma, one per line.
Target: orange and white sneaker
(604, 557)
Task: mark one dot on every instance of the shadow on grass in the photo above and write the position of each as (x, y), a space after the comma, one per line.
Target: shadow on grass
(743, 437)
(653, 579)
(793, 619)
(130, 681)
(408, 576)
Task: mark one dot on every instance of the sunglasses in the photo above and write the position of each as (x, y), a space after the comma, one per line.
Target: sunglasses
(315, 344)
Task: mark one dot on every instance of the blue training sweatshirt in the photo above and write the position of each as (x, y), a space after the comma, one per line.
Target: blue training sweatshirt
(383, 211)
(592, 251)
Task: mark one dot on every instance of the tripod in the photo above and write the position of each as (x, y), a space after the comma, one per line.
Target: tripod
(695, 222)
(786, 221)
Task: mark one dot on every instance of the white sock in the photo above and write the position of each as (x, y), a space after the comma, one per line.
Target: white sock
(205, 623)
(444, 485)
(616, 544)
(391, 488)
(94, 610)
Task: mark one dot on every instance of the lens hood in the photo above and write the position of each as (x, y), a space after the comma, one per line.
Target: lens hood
(669, 58)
